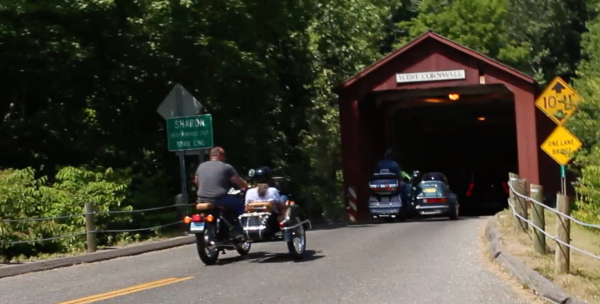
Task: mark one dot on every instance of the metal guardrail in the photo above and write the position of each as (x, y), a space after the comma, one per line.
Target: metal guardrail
(555, 238)
(96, 231)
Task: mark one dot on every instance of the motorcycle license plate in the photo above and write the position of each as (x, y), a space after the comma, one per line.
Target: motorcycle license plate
(196, 227)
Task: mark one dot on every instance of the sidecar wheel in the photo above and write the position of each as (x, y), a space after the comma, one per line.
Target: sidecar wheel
(297, 246)
(207, 255)
(244, 248)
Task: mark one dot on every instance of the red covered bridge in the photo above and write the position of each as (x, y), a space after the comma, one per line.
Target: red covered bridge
(442, 107)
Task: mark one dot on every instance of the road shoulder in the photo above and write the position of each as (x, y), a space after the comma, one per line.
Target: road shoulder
(129, 250)
(526, 276)
(140, 248)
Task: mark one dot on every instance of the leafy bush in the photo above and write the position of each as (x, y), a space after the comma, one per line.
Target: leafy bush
(588, 187)
(585, 124)
(24, 196)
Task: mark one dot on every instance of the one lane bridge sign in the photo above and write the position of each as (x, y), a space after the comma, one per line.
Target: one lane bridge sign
(561, 145)
(190, 132)
(558, 101)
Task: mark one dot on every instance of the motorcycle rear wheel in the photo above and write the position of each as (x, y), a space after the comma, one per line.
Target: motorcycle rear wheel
(207, 255)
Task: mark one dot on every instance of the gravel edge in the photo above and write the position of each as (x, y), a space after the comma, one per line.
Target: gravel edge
(531, 278)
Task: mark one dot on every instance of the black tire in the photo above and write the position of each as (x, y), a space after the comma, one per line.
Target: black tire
(454, 213)
(207, 257)
(297, 246)
(244, 248)
(403, 215)
(417, 216)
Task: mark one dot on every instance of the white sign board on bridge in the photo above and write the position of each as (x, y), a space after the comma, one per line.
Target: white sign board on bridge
(430, 76)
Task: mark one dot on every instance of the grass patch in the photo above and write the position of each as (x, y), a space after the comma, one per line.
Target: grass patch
(583, 281)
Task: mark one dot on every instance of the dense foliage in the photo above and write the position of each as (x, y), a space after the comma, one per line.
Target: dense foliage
(22, 197)
(82, 81)
(586, 124)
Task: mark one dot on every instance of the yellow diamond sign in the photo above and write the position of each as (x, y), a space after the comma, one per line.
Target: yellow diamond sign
(559, 101)
(561, 145)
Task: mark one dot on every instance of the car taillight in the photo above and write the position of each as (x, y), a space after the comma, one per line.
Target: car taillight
(435, 200)
(469, 192)
(384, 187)
(196, 218)
(505, 186)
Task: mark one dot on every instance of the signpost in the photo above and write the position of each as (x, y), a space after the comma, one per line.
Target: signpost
(559, 102)
(187, 130)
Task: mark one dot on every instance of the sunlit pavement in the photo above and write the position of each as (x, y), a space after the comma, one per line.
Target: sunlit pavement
(433, 261)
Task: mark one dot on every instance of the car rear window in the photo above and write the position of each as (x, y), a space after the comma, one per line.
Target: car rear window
(433, 176)
(432, 189)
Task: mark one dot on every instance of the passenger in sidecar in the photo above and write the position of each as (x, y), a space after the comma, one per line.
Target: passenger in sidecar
(268, 218)
(263, 204)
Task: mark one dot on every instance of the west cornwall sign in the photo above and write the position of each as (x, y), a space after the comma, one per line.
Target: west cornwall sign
(430, 76)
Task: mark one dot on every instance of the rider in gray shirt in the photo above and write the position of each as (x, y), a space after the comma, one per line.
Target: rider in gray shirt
(215, 177)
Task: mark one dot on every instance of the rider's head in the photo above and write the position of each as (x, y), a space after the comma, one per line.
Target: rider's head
(217, 153)
(389, 154)
(262, 177)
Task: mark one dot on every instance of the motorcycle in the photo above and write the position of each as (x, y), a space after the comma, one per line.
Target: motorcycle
(387, 199)
(214, 228)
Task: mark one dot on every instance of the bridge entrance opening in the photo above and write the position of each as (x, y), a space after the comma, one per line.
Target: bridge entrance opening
(472, 139)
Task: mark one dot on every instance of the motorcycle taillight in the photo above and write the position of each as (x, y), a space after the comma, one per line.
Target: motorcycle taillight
(196, 218)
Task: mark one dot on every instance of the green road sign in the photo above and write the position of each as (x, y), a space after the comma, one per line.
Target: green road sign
(190, 132)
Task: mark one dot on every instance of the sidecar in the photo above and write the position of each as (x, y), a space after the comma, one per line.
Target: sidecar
(262, 224)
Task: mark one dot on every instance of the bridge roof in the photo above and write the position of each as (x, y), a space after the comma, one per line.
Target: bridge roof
(445, 41)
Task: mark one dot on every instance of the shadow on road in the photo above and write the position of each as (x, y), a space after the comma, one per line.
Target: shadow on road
(445, 219)
(473, 211)
(340, 225)
(266, 257)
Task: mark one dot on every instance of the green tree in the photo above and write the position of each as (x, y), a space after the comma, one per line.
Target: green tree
(478, 24)
(585, 125)
(344, 37)
(542, 23)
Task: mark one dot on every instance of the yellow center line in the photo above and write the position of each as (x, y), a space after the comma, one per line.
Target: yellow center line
(126, 291)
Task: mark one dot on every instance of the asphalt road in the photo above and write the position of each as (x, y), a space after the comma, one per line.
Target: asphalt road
(430, 262)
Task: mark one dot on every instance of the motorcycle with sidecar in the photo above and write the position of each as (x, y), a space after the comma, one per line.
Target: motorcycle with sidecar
(388, 197)
(214, 228)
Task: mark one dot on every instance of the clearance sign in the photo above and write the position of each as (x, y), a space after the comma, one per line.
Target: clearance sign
(559, 102)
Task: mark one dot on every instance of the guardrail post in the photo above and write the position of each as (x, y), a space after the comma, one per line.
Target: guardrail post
(90, 228)
(521, 207)
(539, 220)
(180, 205)
(563, 233)
(512, 180)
